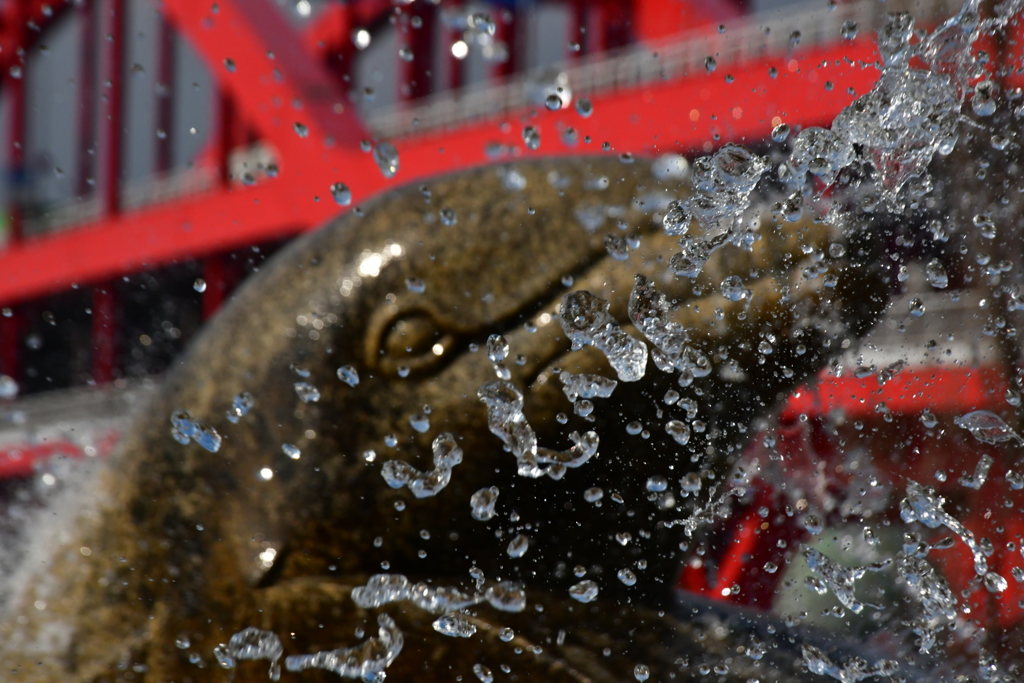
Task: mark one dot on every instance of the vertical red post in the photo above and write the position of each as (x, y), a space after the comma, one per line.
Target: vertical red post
(577, 29)
(113, 69)
(165, 91)
(104, 334)
(87, 98)
(9, 335)
(418, 36)
(596, 39)
(505, 30)
(452, 36)
(216, 285)
(230, 134)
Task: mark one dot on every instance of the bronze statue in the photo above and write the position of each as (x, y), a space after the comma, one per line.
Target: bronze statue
(194, 546)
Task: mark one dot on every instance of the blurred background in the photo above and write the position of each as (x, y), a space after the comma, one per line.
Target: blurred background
(156, 153)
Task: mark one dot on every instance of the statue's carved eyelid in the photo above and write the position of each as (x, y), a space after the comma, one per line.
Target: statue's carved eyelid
(411, 338)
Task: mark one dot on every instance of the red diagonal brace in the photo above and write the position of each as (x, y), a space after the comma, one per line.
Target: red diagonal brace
(260, 61)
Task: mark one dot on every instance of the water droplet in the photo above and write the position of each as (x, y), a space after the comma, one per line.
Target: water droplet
(300, 129)
(916, 307)
(623, 538)
(986, 226)
(616, 247)
(531, 137)
(506, 634)
(8, 388)
(690, 483)
(405, 54)
(455, 625)
(419, 422)
(657, 484)
(936, 274)
(291, 451)
(849, 29)
(928, 419)
(584, 108)
(984, 101)
(482, 503)
(710, 64)
(497, 348)
(553, 102)
(448, 216)
(386, 156)
(415, 285)
(342, 195)
(780, 132)
(733, 289)
(593, 494)
(349, 375)
(306, 392)
(518, 546)
(240, 405)
(584, 591)
(641, 672)
(813, 524)
(182, 642)
(483, 673)
(626, 576)
(199, 285)
(678, 431)
(995, 583)
(229, 64)
(676, 220)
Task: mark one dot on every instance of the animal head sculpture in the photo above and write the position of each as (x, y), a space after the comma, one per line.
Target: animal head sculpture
(193, 546)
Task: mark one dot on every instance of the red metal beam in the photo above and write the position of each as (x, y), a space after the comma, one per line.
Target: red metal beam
(260, 61)
(201, 225)
(940, 389)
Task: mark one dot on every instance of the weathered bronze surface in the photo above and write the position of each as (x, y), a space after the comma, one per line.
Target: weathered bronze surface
(175, 552)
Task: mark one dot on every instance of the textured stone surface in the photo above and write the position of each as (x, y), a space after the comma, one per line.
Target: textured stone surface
(176, 550)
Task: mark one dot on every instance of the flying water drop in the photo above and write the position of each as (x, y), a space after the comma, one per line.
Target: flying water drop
(584, 591)
(482, 503)
(386, 156)
(241, 404)
(342, 195)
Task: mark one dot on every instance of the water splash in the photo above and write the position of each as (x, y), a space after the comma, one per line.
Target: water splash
(447, 454)
(185, 428)
(923, 505)
(932, 592)
(249, 644)
(366, 661)
(987, 427)
(382, 589)
(855, 669)
(586, 321)
(577, 386)
(837, 578)
(980, 473)
(506, 420)
(649, 311)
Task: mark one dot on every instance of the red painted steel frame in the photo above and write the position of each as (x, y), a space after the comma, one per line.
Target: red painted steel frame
(681, 111)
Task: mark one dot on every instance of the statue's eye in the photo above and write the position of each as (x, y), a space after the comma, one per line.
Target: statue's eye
(411, 340)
